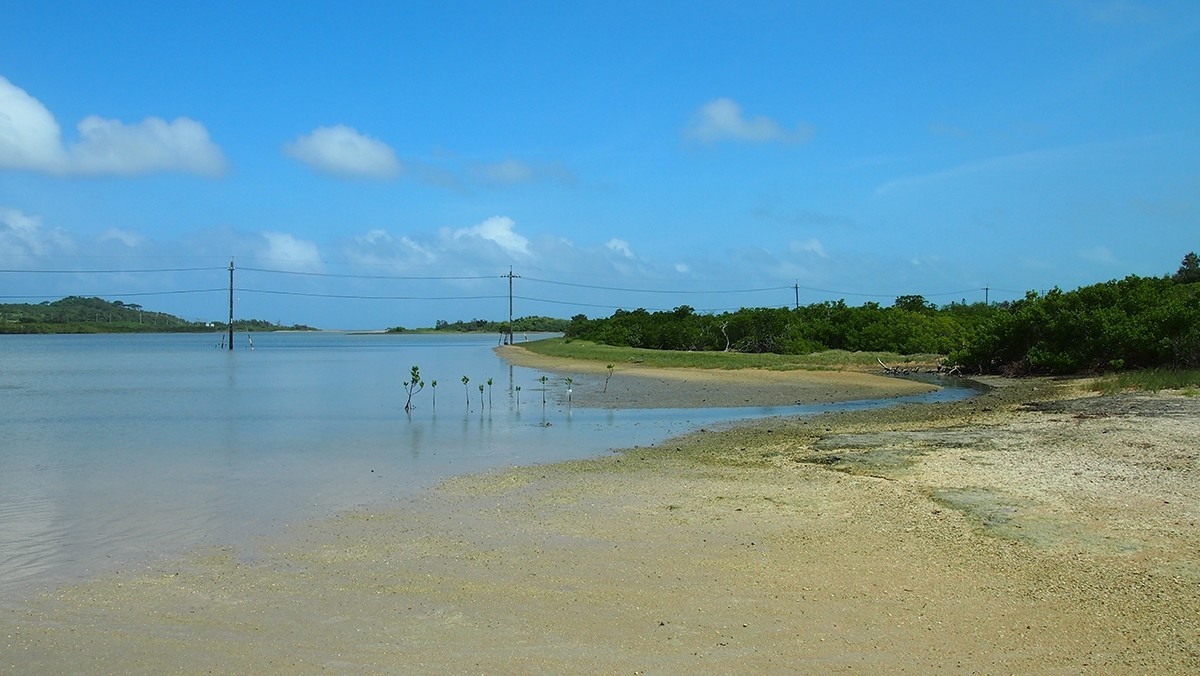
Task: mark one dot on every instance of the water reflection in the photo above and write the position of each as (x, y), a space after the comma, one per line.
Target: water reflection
(122, 447)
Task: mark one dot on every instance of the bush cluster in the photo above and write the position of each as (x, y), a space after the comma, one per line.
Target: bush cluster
(1136, 322)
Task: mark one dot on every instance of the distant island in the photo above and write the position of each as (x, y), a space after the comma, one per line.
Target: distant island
(76, 314)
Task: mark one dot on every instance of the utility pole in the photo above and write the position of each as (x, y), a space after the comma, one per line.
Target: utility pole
(231, 304)
(510, 276)
(796, 286)
(986, 289)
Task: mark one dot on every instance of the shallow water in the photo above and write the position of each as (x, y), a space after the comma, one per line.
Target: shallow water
(116, 450)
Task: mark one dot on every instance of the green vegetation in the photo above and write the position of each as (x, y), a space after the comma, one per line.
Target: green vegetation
(611, 356)
(521, 325)
(413, 385)
(911, 326)
(1150, 380)
(1133, 323)
(76, 314)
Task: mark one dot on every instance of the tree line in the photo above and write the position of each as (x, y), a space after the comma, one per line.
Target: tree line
(532, 324)
(1135, 322)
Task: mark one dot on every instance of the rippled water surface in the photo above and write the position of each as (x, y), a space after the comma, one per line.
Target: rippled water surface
(115, 450)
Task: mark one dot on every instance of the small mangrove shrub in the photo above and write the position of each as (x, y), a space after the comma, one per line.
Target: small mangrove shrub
(413, 385)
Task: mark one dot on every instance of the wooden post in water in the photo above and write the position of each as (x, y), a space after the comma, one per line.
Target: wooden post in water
(231, 304)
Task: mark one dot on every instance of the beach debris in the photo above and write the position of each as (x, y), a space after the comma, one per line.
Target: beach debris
(940, 369)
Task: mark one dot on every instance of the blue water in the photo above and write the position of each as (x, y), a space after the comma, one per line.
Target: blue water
(116, 450)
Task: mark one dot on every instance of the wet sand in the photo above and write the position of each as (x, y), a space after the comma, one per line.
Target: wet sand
(1033, 529)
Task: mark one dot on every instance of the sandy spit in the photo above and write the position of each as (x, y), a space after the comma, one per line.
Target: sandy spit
(640, 386)
(1031, 530)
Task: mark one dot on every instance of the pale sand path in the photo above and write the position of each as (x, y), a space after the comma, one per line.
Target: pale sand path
(975, 537)
(640, 386)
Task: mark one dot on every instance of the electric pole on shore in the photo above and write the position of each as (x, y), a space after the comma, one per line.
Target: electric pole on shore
(796, 286)
(986, 289)
(231, 304)
(510, 276)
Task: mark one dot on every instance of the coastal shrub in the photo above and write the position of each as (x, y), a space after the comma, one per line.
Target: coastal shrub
(413, 385)
(1131, 323)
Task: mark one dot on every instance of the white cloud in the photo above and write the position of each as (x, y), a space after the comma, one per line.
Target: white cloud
(127, 237)
(31, 140)
(23, 234)
(620, 246)
(343, 151)
(812, 246)
(722, 120)
(683, 268)
(291, 253)
(500, 231)
(152, 145)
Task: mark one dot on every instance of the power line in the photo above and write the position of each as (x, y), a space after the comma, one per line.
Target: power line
(344, 276)
(363, 297)
(664, 291)
(115, 295)
(109, 272)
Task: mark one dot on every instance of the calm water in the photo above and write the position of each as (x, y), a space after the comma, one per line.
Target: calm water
(115, 450)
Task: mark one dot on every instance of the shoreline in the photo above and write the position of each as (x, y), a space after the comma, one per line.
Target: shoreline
(1032, 528)
(639, 386)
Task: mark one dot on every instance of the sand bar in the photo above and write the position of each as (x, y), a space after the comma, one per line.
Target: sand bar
(1034, 529)
(640, 386)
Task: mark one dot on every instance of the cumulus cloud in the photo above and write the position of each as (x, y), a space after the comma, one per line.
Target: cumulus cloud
(498, 230)
(620, 246)
(23, 234)
(343, 151)
(291, 253)
(31, 140)
(152, 145)
(722, 120)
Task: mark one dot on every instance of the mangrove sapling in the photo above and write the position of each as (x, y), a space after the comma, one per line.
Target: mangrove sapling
(412, 386)
(569, 381)
(543, 379)
(433, 384)
(518, 388)
(607, 377)
(481, 398)
(489, 383)
(466, 380)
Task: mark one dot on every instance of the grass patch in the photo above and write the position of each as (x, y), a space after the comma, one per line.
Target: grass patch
(1151, 380)
(829, 360)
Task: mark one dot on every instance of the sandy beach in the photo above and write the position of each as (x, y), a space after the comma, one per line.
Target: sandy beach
(1033, 529)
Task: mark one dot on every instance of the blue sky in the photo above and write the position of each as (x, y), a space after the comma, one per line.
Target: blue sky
(372, 164)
